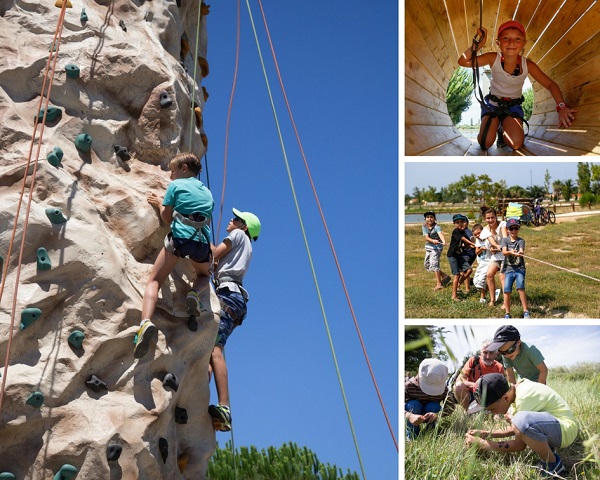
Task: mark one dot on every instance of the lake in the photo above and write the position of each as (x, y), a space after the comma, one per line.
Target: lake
(440, 218)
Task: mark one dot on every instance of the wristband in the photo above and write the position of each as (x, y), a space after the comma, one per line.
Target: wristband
(561, 106)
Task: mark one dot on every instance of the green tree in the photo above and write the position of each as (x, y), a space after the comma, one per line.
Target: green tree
(557, 188)
(547, 178)
(595, 180)
(568, 188)
(458, 95)
(584, 177)
(528, 103)
(535, 191)
(421, 342)
(288, 462)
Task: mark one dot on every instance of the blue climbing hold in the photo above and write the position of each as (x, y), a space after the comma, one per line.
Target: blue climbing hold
(83, 17)
(66, 472)
(28, 316)
(36, 399)
(43, 259)
(55, 156)
(51, 114)
(76, 338)
(165, 99)
(72, 70)
(83, 142)
(7, 476)
(171, 381)
(55, 216)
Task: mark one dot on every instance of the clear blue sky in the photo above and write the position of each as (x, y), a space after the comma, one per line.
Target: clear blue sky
(339, 65)
(515, 172)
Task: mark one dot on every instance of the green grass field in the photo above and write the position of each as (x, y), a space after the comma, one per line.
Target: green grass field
(552, 293)
(439, 452)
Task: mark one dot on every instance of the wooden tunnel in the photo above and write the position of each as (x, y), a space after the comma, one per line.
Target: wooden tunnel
(563, 38)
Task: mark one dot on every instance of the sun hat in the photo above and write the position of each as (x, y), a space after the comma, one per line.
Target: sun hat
(429, 212)
(511, 222)
(459, 216)
(490, 388)
(251, 220)
(433, 374)
(511, 24)
(506, 333)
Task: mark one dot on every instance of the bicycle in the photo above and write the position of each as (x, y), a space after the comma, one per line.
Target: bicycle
(547, 215)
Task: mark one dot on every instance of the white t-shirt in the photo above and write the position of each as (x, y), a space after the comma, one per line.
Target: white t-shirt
(487, 233)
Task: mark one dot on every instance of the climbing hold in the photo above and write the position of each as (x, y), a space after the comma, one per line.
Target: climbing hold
(83, 17)
(122, 153)
(165, 99)
(181, 415)
(52, 114)
(163, 447)
(43, 260)
(204, 139)
(192, 324)
(76, 338)
(122, 25)
(96, 384)
(83, 142)
(171, 381)
(55, 156)
(36, 399)
(113, 451)
(185, 46)
(7, 475)
(59, 4)
(203, 66)
(182, 461)
(55, 216)
(178, 2)
(205, 93)
(28, 316)
(198, 114)
(204, 9)
(72, 70)
(66, 472)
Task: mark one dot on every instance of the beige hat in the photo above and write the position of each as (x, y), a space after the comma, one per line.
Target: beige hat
(433, 374)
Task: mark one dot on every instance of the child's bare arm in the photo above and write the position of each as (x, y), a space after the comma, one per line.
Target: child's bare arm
(442, 238)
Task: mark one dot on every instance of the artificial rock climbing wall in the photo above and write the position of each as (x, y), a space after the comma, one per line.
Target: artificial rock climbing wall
(76, 403)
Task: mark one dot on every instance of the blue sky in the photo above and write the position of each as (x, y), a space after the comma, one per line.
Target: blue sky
(339, 65)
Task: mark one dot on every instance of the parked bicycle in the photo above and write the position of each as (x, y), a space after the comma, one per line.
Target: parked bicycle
(541, 215)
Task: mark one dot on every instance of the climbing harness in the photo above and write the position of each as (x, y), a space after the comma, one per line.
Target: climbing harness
(195, 220)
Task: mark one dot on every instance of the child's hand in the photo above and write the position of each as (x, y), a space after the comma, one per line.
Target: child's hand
(566, 117)
(478, 433)
(471, 440)
(154, 200)
(482, 36)
(430, 417)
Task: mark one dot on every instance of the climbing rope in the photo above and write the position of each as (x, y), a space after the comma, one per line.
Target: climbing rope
(51, 56)
(193, 102)
(299, 214)
(337, 263)
(562, 268)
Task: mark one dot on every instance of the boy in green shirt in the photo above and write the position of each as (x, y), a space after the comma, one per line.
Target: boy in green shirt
(540, 419)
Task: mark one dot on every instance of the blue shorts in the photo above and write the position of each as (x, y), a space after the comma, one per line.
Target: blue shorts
(197, 251)
(540, 426)
(470, 257)
(232, 314)
(458, 264)
(517, 276)
(515, 111)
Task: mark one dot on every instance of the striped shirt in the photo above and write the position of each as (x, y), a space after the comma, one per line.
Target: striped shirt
(412, 391)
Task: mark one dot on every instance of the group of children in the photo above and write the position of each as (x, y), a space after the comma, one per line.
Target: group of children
(539, 418)
(497, 247)
(187, 207)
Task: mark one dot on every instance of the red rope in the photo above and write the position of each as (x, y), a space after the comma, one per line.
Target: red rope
(55, 42)
(337, 263)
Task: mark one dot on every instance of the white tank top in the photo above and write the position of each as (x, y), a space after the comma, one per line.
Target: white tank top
(505, 85)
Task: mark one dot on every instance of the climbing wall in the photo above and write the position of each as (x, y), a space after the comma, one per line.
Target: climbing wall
(76, 404)
(562, 38)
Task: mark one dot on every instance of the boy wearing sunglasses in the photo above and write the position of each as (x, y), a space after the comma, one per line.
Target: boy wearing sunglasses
(527, 360)
(513, 266)
(539, 419)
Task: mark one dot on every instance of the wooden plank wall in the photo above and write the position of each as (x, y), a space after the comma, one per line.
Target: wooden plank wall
(563, 39)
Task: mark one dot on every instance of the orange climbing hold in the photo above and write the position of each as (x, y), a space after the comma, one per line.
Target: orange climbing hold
(204, 140)
(205, 93)
(199, 120)
(204, 9)
(203, 66)
(182, 461)
(59, 4)
(185, 46)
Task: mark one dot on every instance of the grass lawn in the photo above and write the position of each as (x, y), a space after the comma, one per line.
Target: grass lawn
(440, 454)
(572, 243)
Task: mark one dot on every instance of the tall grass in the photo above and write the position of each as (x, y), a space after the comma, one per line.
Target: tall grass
(551, 292)
(439, 452)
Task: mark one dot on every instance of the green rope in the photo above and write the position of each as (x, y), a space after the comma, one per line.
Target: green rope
(192, 122)
(312, 267)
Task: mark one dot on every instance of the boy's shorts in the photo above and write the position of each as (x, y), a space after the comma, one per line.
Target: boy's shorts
(432, 259)
(540, 426)
(458, 264)
(517, 276)
(197, 251)
(232, 314)
(470, 258)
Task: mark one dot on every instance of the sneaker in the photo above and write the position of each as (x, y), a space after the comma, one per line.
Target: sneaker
(500, 143)
(142, 339)
(526, 314)
(482, 300)
(551, 469)
(221, 417)
(194, 306)
(496, 295)
(507, 315)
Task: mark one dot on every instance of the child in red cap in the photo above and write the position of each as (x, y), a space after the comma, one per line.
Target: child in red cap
(502, 106)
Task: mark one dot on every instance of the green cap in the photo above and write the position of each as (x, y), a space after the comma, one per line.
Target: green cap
(251, 221)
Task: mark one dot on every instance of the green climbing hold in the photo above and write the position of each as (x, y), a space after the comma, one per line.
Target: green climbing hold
(83, 142)
(43, 259)
(36, 399)
(55, 156)
(83, 17)
(72, 70)
(8, 476)
(51, 114)
(76, 338)
(28, 316)
(55, 215)
(66, 472)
